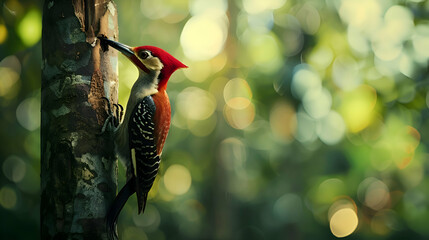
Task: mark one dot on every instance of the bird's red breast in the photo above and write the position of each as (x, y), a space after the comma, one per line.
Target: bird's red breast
(162, 118)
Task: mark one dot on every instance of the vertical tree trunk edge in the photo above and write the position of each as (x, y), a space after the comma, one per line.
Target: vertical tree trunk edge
(78, 165)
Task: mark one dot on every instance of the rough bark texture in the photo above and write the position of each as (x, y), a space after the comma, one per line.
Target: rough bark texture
(78, 166)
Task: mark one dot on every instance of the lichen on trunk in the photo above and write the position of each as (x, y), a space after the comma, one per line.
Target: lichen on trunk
(78, 165)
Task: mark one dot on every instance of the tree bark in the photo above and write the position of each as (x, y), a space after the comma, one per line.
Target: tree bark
(78, 165)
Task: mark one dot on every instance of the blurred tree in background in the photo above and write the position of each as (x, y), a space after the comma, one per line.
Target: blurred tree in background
(295, 119)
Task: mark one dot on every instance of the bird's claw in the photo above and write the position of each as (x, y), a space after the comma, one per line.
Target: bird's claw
(119, 113)
(114, 117)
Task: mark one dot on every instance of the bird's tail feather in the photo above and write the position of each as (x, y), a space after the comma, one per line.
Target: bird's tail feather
(142, 202)
(119, 202)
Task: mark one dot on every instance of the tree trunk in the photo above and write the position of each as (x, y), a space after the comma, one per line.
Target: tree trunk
(78, 165)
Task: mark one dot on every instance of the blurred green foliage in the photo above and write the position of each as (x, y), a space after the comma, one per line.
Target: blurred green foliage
(295, 120)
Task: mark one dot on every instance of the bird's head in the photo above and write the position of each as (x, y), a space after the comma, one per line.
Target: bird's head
(148, 59)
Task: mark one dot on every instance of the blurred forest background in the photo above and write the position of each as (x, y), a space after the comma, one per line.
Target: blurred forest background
(295, 120)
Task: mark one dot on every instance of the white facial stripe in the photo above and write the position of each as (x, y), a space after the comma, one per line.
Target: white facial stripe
(153, 63)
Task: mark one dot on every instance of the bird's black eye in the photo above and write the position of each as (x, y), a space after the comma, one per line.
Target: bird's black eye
(143, 54)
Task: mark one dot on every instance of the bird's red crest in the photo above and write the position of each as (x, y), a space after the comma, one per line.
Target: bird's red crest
(171, 64)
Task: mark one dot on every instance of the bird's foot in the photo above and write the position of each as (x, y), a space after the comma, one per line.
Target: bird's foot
(114, 117)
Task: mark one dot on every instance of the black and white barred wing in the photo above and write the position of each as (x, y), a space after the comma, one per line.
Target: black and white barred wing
(145, 161)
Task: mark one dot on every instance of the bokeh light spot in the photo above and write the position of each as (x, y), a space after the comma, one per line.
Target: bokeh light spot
(399, 23)
(421, 41)
(199, 71)
(256, 6)
(10, 70)
(239, 118)
(412, 141)
(150, 220)
(288, 208)
(363, 14)
(28, 113)
(264, 51)
(195, 104)
(386, 51)
(204, 36)
(261, 22)
(413, 174)
(330, 189)
(237, 93)
(397, 144)
(357, 107)
(202, 128)
(321, 57)
(317, 103)
(8, 197)
(177, 179)
(381, 156)
(309, 18)
(30, 27)
(373, 193)
(377, 195)
(3, 33)
(346, 73)
(306, 128)
(357, 41)
(283, 120)
(341, 203)
(331, 128)
(219, 62)
(304, 80)
(293, 37)
(387, 41)
(343, 222)
(406, 65)
(201, 6)
(14, 168)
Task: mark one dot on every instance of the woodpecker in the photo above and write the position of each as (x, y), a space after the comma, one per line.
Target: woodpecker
(140, 137)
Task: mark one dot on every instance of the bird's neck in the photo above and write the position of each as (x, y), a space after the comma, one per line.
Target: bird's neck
(146, 84)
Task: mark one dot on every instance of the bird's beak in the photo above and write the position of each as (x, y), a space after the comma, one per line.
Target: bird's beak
(124, 49)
